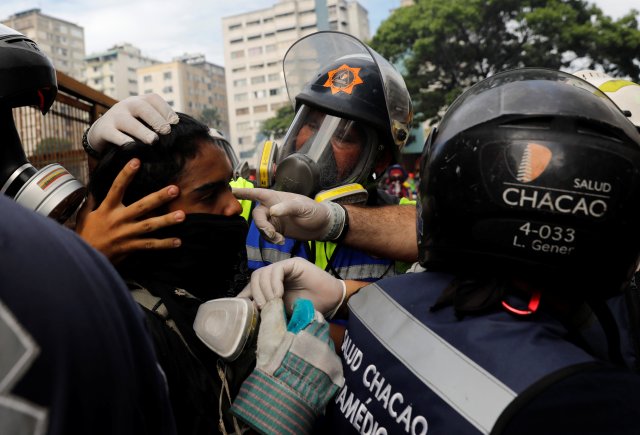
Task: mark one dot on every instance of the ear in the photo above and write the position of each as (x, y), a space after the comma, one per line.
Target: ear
(384, 160)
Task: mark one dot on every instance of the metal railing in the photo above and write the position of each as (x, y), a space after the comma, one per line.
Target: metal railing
(57, 136)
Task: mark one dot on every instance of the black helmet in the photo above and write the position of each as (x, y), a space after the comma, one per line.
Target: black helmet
(350, 105)
(351, 88)
(532, 173)
(27, 77)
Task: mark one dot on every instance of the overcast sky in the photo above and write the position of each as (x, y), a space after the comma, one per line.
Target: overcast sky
(163, 29)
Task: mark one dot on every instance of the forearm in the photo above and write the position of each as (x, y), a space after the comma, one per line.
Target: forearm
(386, 232)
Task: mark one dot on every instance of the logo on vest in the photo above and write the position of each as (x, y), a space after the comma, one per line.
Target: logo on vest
(343, 79)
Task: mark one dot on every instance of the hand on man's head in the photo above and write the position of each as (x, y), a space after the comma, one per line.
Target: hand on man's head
(141, 117)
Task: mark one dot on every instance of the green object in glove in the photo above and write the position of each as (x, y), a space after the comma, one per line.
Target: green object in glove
(297, 371)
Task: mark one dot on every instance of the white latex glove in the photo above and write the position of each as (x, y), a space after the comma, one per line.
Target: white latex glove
(296, 278)
(121, 123)
(285, 214)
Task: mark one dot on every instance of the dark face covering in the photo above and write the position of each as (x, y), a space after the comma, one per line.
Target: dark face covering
(211, 262)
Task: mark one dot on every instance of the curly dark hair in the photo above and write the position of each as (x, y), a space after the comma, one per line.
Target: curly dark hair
(162, 163)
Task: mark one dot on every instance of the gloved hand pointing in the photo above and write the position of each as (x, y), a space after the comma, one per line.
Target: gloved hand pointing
(297, 372)
(285, 214)
(292, 279)
(124, 121)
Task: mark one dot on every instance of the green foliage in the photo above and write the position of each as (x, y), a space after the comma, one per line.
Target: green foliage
(210, 116)
(278, 125)
(445, 46)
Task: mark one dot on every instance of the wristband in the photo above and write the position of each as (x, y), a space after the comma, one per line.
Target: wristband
(345, 226)
(91, 152)
(333, 312)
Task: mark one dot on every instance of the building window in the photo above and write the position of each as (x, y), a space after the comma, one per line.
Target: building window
(170, 103)
(146, 79)
(260, 109)
(236, 41)
(254, 51)
(253, 37)
(242, 111)
(270, 48)
(286, 29)
(243, 126)
(237, 54)
(235, 26)
(167, 89)
(267, 20)
(259, 94)
(270, 64)
(239, 83)
(253, 23)
(257, 66)
(148, 91)
(241, 97)
(273, 77)
(167, 75)
(239, 69)
(275, 91)
(257, 79)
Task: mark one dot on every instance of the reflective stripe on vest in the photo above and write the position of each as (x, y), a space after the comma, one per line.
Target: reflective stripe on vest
(412, 370)
(348, 262)
(268, 255)
(434, 361)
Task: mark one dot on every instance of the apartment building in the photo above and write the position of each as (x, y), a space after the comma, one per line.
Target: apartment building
(189, 84)
(254, 45)
(114, 71)
(61, 40)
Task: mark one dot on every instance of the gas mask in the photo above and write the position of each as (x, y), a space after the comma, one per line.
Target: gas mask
(28, 78)
(226, 325)
(324, 157)
(51, 191)
(351, 106)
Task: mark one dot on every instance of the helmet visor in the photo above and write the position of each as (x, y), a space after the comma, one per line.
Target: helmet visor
(342, 149)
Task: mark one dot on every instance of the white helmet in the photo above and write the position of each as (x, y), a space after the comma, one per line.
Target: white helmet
(624, 93)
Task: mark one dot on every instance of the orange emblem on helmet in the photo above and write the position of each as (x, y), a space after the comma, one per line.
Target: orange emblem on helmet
(343, 79)
(535, 160)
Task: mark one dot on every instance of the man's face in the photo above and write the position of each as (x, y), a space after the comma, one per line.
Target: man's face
(347, 141)
(204, 184)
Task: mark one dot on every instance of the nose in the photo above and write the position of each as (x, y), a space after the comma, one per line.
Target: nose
(231, 206)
